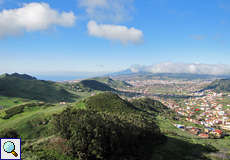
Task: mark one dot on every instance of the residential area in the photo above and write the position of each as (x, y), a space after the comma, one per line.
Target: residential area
(205, 111)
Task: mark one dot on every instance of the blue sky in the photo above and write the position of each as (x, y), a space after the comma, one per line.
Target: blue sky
(93, 37)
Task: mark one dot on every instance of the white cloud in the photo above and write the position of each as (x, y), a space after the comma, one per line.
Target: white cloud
(191, 68)
(199, 37)
(115, 32)
(32, 17)
(108, 10)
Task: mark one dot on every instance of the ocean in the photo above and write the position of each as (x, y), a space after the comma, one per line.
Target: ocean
(60, 77)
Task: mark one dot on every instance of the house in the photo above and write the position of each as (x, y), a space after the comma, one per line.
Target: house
(208, 129)
(217, 132)
(180, 126)
(203, 135)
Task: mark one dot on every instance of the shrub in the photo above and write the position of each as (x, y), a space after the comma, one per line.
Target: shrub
(8, 133)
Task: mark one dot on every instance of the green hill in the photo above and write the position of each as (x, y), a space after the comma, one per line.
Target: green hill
(20, 76)
(219, 85)
(90, 85)
(112, 83)
(149, 105)
(109, 102)
(33, 89)
(111, 128)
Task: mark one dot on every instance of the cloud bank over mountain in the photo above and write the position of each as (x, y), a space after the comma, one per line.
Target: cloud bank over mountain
(190, 68)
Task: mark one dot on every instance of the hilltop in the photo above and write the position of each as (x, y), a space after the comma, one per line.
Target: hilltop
(20, 76)
(109, 102)
(111, 83)
(219, 85)
(90, 85)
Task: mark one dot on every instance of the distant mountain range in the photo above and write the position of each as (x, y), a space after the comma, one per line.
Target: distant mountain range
(127, 71)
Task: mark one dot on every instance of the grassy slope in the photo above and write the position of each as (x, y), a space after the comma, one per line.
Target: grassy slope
(188, 146)
(22, 122)
(34, 90)
(112, 83)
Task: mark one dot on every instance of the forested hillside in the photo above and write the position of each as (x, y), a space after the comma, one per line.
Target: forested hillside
(219, 85)
(90, 85)
(112, 83)
(110, 128)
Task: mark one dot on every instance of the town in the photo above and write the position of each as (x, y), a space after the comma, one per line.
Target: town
(205, 112)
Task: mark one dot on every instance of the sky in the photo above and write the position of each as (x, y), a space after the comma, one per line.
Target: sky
(96, 37)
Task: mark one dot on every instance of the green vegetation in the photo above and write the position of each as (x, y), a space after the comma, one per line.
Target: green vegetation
(6, 102)
(9, 133)
(89, 86)
(102, 126)
(183, 144)
(94, 135)
(112, 83)
(20, 76)
(21, 108)
(109, 102)
(34, 90)
(149, 105)
(219, 85)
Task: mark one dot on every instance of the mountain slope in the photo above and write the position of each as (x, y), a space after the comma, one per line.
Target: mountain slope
(109, 102)
(33, 89)
(149, 105)
(20, 76)
(90, 85)
(219, 85)
(112, 83)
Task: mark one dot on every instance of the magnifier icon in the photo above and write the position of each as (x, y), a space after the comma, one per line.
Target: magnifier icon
(9, 147)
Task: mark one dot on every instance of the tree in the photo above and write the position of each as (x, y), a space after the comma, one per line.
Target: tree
(8, 133)
(103, 135)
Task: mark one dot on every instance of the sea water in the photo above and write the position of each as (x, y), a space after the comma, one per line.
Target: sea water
(60, 77)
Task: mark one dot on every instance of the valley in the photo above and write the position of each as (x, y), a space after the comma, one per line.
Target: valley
(192, 118)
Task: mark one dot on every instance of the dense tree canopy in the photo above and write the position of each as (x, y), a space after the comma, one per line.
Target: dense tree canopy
(95, 135)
